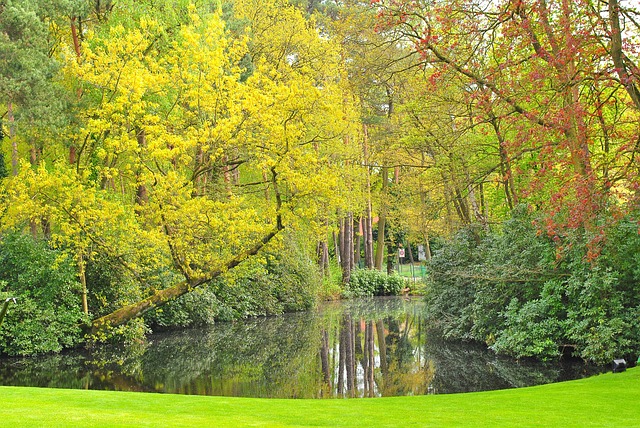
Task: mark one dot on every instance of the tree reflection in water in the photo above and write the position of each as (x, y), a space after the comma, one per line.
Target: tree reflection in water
(376, 356)
(360, 348)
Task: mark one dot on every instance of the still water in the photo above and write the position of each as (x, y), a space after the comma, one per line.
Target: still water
(360, 348)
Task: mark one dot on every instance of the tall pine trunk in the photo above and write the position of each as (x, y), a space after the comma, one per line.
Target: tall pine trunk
(12, 138)
(346, 247)
(368, 220)
(323, 257)
(83, 283)
(382, 220)
(357, 243)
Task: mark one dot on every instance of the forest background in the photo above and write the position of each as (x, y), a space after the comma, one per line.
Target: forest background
(172, 163)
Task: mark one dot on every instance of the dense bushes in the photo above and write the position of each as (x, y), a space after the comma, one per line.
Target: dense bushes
(372, 282)
(282, 280)
(47, 316)
(510, 291)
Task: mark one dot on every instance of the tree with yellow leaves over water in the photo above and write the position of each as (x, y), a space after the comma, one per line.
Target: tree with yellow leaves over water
(194, 147)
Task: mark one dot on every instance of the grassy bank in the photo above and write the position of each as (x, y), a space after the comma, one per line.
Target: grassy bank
(605, 400)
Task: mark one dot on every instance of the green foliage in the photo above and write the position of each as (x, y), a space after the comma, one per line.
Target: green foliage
(534, 327)
(200, 307)
(508, 290)
(450, 290)
(331, 288)
(3, 167)
(281, 281)
(47, 316)
(372, 282)
(109, 285)
(600, 319)
(287, 281)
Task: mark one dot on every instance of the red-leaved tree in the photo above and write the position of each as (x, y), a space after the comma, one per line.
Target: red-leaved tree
(561, 78)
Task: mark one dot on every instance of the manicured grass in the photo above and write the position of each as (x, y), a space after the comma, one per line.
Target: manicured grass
(602, 401)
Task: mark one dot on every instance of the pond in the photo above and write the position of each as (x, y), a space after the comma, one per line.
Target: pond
(358, 348)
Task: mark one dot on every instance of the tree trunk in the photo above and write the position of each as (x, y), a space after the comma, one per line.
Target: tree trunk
(411, 259)
(462, 208)
(368, 220)
(78, 51)
(505, 165)
(141, 192)
(351, 227)
(76, 38)
(368, 239)
(368, 250)
(427, 247)
(34, 158)
(83, 282)
(357, 244)
(341, 240)
(448, 197)
(423, 210)
(391, 256)
(323, 258)
(473, 200)
(623, 66)
(346, 247)
(336, 245)
(12, 138)
(483, 204)
(382, 220)
(46, 228)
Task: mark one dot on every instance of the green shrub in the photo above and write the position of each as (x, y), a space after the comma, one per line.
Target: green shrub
(109, 285)
(293, 277)
(535, 327)
(508, 289)
(200, 307)
(451, 289)
(47, 316)
(274, 282)
(393, 285)
(600, 323)
(331, 285)
(284, 281)
(372, 282)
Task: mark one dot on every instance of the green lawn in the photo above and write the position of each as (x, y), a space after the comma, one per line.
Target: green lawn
(605, 400)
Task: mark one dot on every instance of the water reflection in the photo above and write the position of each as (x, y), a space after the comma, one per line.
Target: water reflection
(364, 348)
(372, 356)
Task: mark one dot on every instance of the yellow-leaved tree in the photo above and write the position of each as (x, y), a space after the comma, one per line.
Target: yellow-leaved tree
(195, 141)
